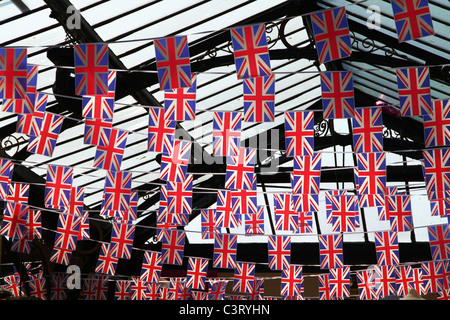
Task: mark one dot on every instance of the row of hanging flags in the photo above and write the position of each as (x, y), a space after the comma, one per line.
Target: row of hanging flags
(237, 201)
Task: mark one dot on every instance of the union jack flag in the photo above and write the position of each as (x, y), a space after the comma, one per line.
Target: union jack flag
(372, 173)
(61, 255)
(259, 99)
(432, 276)
(94, 129)
(225, 249)
(226, 133)
(122, 290)
(366, 284)
(196, 273)
(398, 211)
(32, 78)
(67, 231)
(279, 251)
(244, 276)
(251, 54)
(439, 238)
(306, 202)
(174, 161)
(286, 215)
(246, 201)
(439, 207)
(117, 191)
(179, 103)
(216, 290)
(23, 106)
(122, 237)
(337, 94)
(305, 222)
(14, 221)
(254, 222)
(414, 91)
(208, 223)
(324, 286)
(33, 225)
(305, 179)
(368, 130)
(58, 186)
(436, 164)
(331, 34)
(30, 124)
(75, 204)
(226, 217)
(6, 170)
(97, 107)
(91, 69)
(173, 62)
(13, 73)
(385, 280)
(412, 19)
(179, 196)
(386, 246)
(38, 287)
(106, 263)
(110, 150)
(240, 174)
(173, 247)
(292, 281)
(151, 267)
(153, 291)
(95, 288)
(344, 214)
(18, 192)
(339, 281)
(84, 233)
(160, 131)
(437, 124)
(299, 133)
(405, 279)
(331, 253)
(138, 289)
(44, 143)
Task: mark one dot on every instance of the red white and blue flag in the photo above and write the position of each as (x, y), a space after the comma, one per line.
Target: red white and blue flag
(179, 104)
(286, 215)
(14, 220)
(106, 263)
(110, 149)
(306, 202)
(6, 170)
(366, 284)
(22, 106)
(225, 250)
(117, 191)
(386, 247)
(179, 196)
(251, 54)
(122, 236)
(433, 279)
(97, 107)
(58, 186)
(412, 19)
(339, 282)
(439, 238)
(344, 215)
(259, 99)
(226, 217)
(226, 133)
(254, 222)
(371, 173)
(18, 192)
(44, 143)
(331, 34)
(208, 223)
(174, 161)
(172, 249)
(67, 231)
(305, 179)
(197, 269)
(436, 125)
(173, 62)
(30, 124)
(13, 73)
(337, 94)
(151, 267)
(414, 91)
(292, 281)
(279, 252)
(385, 280)
(161, 131)
(240, 172)
(91, 69)
(399, 213)
(244, 277)
(246, 201)
(436, 164)
(299, 133)
(368, 130)
(330, 250)
(94, 129)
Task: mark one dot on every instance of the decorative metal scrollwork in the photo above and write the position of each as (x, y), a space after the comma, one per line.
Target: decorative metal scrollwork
(368, 45)
(322, 129)
(11, 145)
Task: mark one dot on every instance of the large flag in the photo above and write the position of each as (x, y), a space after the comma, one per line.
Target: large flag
(305, 179)
(368, 130)
(337, 94)
(412, 19)
(251, 54)
(91, 69)
(44, 143)
(173, 62)
(110, 149)
(299, 133)
(240, 174)
(414, 91)
(161, 131)
(58, 186)
(13, 73)
(179, 103)
(259, 99)
(436, 125)
(331, 34)
(226, 133)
